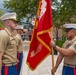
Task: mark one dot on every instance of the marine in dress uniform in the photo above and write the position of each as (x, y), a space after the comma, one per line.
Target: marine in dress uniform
(68, 51)
(8, 46)
(19, 40)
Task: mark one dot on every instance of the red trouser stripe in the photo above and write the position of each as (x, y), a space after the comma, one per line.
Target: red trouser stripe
(6, 70)
(74, 71)
(18, 56)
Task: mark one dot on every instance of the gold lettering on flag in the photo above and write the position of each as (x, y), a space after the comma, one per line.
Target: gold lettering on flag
(33, 53)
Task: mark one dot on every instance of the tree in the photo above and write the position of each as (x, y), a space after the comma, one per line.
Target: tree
(68, 9)
(1, 13)
(22, 7)
(64, 11)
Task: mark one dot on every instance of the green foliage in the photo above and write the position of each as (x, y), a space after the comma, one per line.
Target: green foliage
(1, 13)
(64, 11)
(22, 7)
(60, 42)
(1, 24)
(68, 9)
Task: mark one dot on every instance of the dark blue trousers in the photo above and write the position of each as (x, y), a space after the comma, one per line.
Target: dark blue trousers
(9, 70)
(20, 58)
(68, 71)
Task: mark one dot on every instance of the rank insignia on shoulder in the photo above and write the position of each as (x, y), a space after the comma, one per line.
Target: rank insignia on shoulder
(75, 46)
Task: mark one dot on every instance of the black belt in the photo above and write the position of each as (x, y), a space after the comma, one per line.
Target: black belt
(69, 65)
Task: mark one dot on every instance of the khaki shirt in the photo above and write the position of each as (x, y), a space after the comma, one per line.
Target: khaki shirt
(8, 47)
(19, 43)
(71, 45)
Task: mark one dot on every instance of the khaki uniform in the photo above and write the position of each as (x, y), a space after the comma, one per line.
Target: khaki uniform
(19, 43)
(8, 47)
(71, 45)
(20, 52)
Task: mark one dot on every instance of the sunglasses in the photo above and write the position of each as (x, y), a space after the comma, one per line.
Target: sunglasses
(68, 29)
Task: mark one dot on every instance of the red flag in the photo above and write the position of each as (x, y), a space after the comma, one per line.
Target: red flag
(40, 42)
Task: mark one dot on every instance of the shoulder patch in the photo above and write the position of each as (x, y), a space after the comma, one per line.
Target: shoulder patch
(75, 46)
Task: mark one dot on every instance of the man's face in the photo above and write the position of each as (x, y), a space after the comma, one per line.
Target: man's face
(20, 31)
(75, 31)
(12, 24)
(70, 33)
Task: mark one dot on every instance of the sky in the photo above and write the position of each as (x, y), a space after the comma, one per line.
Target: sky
(2, 7)
(1, 4)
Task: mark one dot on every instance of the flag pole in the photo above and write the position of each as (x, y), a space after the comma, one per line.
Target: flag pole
(38, 13)
(43, 25)
(52, 52)
(53, 59)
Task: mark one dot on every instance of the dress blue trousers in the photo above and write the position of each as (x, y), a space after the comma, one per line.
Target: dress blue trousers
(9, 70)
(68, 70)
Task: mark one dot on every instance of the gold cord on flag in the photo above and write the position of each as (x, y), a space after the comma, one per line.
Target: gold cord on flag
(37, 17)
(38, 13)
